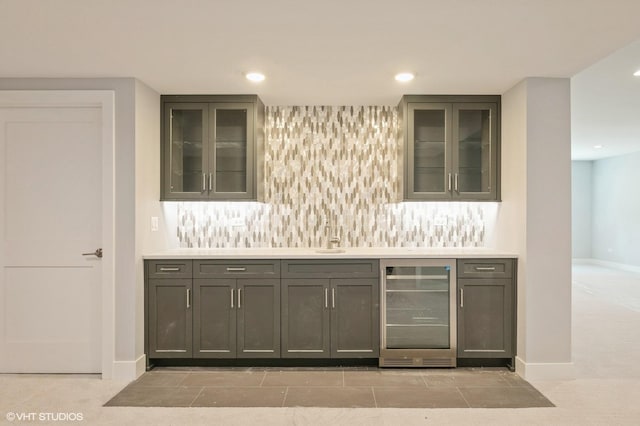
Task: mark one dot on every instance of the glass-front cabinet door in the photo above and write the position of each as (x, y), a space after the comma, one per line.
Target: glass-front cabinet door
(231, 132)
(417, 307)
(186, 150)
(429, 163)
(210, 147)
(450, 147)
(474, 153)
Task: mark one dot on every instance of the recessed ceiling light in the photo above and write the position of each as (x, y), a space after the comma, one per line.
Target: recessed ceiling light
(637, 73)
(256, 77)
(597, 147)
(404, 77)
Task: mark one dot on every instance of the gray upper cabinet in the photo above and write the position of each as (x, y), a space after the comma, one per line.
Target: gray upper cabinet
(212, 147)
(486, 308)
(449, 148)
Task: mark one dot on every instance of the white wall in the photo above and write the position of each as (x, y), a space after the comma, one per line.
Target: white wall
(581, 188)
(509, 232)
(616, 209)
(535, 220)
(147, 196)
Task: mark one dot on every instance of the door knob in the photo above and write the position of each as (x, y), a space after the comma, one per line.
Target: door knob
(97, 253)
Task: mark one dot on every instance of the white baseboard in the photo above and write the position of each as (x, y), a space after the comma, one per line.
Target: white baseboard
(535, 371)
(129, 370)
(615, 265)
(607, 264)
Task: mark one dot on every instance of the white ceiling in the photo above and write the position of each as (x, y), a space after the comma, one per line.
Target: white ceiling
(329, 52)
(605, 106)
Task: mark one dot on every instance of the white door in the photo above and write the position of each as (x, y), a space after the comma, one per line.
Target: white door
(50, 214)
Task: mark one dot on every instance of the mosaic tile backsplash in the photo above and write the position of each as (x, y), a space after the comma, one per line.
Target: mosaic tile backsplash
(330, 170)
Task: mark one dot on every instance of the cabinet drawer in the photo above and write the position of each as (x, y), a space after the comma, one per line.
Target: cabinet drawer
(485, 268)
(170, 268)
(240, 268)
(330, 268)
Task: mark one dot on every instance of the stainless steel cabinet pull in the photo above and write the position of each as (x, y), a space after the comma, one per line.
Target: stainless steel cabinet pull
(172, 269)
(236, 269)
(204, 182)
(188, 298)
(326, 298)
(462, 298)
(232, 298)
(455, 182)
(97, 253)
(449, 182)
(239, 298)
(210, 181)
(485, 268)
(333, 298)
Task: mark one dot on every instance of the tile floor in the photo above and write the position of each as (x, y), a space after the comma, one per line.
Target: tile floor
(605, 391)
(340, 388)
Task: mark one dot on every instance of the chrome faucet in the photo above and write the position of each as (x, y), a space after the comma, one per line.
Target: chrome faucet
(332, 240)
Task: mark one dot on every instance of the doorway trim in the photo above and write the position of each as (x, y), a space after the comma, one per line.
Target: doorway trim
(105, 100)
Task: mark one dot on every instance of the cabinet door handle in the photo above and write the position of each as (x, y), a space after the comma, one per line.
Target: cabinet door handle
(239, 298)
(326, 298)
(462, 298)
(236, 269)
(188, 298)
(232, 298)
(333, 298)
(455, 182)
(486, 268)
(210, 181)
(172, 269)
(449, 180)
(204, 182)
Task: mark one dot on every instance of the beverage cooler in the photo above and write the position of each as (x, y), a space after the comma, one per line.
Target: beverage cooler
(418, 313)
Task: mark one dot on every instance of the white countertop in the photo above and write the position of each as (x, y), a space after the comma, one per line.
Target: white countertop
(347, 253)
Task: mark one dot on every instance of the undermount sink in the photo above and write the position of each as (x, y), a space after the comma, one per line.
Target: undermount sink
(330, 250)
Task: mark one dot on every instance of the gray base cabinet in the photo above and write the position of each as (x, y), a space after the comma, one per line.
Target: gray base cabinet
(330, 309)
(169, 318)
(236, 309)
(236, 318)
(354, 318)
(168, 309)
(214, 327)
(486, 308)
(307, 308)
(212, 309)
(305, 318)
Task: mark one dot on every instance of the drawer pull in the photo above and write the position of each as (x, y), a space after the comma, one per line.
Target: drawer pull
(486, 268)
(236, 269)
(172, 269)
